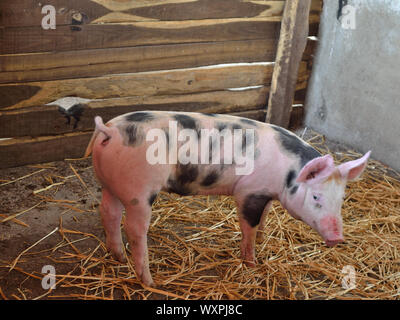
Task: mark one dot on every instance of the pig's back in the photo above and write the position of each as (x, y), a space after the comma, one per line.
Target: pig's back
(274, 149)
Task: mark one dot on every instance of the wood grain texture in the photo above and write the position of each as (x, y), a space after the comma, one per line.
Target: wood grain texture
(314, 17)
(23, 13)
(292, 42)
(296, 118)
(19, 13)
(134, 36)
(28, 13)
(172, 82)
(197, 10)
(14, 152)
(96, 36)
(48, 120)
(97, 62)
(22, 151)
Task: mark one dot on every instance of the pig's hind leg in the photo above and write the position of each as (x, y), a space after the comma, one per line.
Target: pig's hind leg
(138, 215)
(111, 214)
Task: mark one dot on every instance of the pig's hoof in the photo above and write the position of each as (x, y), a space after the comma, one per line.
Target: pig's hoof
(118, 255)
(249, 260)
(148, 282)
(250, 263)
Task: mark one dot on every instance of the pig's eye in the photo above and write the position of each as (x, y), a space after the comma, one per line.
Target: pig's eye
(315, 197)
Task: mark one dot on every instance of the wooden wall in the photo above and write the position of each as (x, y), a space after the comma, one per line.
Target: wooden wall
(132, 55)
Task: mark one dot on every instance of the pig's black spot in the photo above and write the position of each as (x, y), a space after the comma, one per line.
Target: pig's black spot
(175, 187)
(295, 145)
(210, 179)
(152, 198)
(185, 121)
(248, 122)
(289, 178)
(221, 126)
(294, 189)
(167, 138)
(236, 126)
(187, 173)
(140, 116)
(131, 132)
(253, 208)
(247, 140)
(211, 147)
(210, 114)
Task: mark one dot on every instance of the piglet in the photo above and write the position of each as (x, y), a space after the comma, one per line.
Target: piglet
(138, 154)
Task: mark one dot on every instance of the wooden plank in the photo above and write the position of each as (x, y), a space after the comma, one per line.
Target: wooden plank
(197, 10)
(94, 36)
(124, 5)
(258, 114)
(316, 7)
(97, 62)
(300, 96)
(296, 118)
(314, 26)
(179, 81)
(48, 120)
(22, 151)
(310, 49)
(314, 18)
(292, 42)
(14, 152)
(28, 12)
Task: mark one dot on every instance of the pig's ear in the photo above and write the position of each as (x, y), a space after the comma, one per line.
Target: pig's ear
(352, 170)
(316, 169)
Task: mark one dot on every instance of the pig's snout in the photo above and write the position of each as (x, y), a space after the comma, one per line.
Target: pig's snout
(332, 243)
(331, 230)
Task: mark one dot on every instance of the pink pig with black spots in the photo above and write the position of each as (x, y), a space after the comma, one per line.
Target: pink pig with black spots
(281, 167)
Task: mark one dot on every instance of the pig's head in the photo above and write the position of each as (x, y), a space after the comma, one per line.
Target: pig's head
(318, 194)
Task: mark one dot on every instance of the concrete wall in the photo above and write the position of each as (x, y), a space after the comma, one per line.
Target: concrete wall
(354, 92)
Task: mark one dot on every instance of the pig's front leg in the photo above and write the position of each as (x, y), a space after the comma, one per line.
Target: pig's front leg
(252, 214)
(111, 214)
(247, 244)
(138, 215)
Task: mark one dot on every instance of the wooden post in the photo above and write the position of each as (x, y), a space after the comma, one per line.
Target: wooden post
(292, 42)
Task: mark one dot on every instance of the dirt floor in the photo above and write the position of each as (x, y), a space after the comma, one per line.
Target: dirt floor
(51, 219)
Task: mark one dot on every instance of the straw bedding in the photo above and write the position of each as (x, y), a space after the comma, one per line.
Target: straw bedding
(194, 250)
